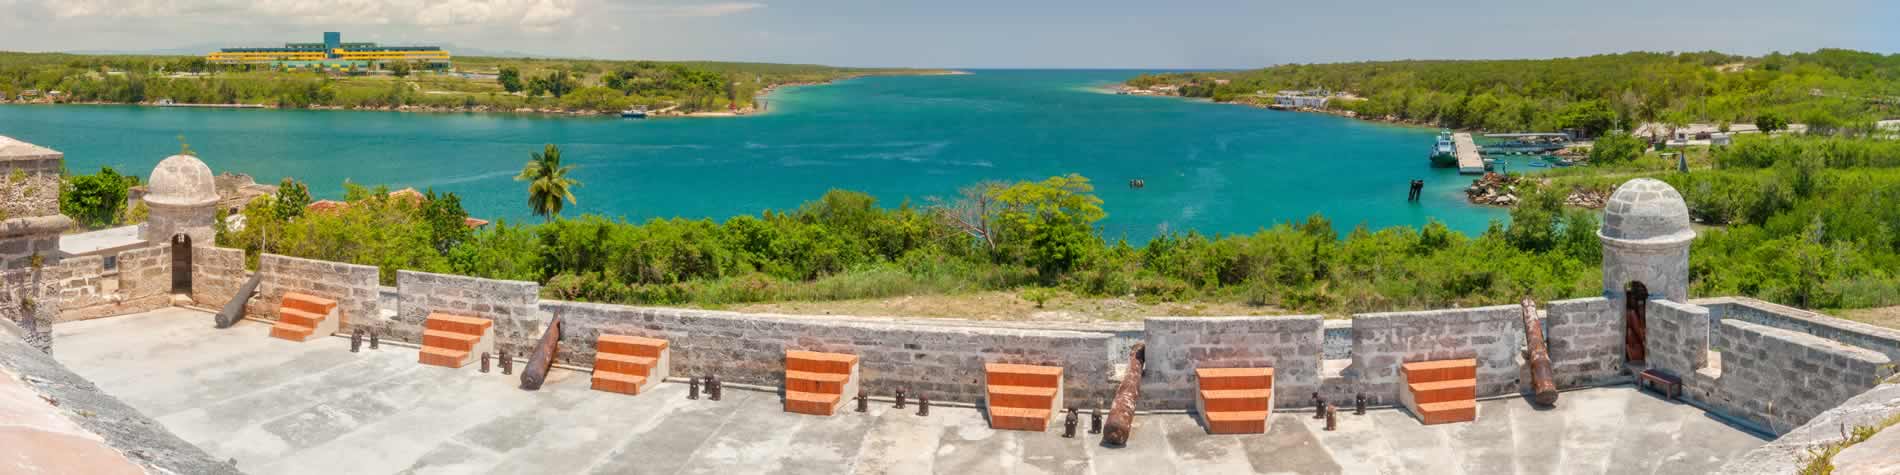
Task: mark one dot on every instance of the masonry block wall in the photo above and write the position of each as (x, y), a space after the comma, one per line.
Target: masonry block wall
(140, 281)
(31, 303)
(941, 358)
(1779, 379)
(1292, 345)
(1585, 339)
(512, 305)
(1383, 341)
(354, 287)
(1884, 340)
(216, 274)
(1678, 337)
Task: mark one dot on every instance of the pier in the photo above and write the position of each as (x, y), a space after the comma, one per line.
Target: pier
(1469, 162)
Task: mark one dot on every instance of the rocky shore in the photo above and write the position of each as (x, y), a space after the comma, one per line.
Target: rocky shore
(1502, 190)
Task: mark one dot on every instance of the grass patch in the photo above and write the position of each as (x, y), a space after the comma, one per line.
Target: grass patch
(1820, 460)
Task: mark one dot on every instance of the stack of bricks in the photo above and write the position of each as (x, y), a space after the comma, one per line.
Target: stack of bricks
(816, 383)
(1442, 391)
(301, 317)
(1235, 400)
(1023, 397)
(452, 340)
(628, 364)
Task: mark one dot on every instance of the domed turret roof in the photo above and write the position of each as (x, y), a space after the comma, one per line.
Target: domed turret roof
(182, 180)
(1646, 209)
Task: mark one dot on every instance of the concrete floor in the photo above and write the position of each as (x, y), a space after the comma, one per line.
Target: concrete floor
(283, 407)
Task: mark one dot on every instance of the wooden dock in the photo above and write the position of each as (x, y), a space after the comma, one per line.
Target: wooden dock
(1469, 162)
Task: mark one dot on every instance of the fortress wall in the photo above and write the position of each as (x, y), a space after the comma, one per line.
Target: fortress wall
(512, 305)
(1678, 338)
(941, 358)
(1883, 340)
(1384, 341)
(1779, 379)
(1585, 339)
(354, 287)
(1178, 345)
(216, 274)
(139, 281)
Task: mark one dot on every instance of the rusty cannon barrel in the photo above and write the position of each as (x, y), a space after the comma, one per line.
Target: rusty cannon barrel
(1543, 386)
(1121, 419)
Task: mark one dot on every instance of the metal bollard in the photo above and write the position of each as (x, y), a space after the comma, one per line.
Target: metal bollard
(484, 362)
(864, 402)
(1359, 404)
(900, 398)
(356, 340)
(923, 405)
(1319, 407)
(1095, 420)
(1332, 417)
(1068, 425)
(507, 363)
(692, 388)
(712, 387)
(375, 340)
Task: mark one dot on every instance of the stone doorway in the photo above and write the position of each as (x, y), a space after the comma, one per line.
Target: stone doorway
(181, 263)
(1635, 328)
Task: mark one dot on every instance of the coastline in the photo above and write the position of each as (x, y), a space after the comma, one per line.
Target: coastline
(757, 108)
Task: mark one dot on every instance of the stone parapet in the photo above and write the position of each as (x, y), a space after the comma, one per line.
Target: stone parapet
(353, 287)
(1291, 345)
(1384, 341)
(1779, 379)
(1585, 339)
(512, 305)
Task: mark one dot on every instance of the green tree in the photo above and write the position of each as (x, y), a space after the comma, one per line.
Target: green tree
(95, 200)
(447, 221)
(399, 69)
(510, 79)
(1052, 221)
(1616, 148)
(548, 184)
(292, 198)
(557, 83)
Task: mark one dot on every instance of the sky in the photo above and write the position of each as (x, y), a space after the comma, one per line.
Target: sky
(1140, 34)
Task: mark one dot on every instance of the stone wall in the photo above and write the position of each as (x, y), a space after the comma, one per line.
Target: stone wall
(1884, 340)
(31, 303)
(1291, 345)
(139, 281)
(1779, 379)
(1678, 337)
(1384, 341)
(216, 274)
(941, 358)
(1585, 339)
(1785, 454)
(512, 305)
(354, 288)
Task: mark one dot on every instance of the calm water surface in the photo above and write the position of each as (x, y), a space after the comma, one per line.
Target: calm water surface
(1208, 167)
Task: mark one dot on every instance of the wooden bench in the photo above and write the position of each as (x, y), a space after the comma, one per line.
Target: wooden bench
(1669, 386)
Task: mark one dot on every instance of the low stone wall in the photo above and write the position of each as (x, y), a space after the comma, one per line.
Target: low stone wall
(1779, 379)
(30, 303)
(140, 281)
(943, 360)
(216, 274)
(1884, 340)
(1678, 337)
(1291, 345)
(1585, 339)
(1785, 454)
(1381, 342)
(353, 287)
(512, 305)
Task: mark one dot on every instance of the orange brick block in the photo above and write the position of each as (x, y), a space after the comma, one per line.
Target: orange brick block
(290, 331)
(449, 340)
(622, 383)
(1022, 396)
(1236, 422)
(815, 362)
(1019, 418)
(1235, 378)
(1002, 374)
(639, 365)
(457, 323)
(821, 383)
(1429, 371)
(308, 303)
(1444, 391)
(630, 345)
(442, 357)
(1448, 412)
(1228, 400)
(811, 403)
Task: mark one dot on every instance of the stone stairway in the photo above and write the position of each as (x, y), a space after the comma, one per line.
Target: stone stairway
(1441, 391)
(454, 340)
(301, 317)
(627, 364)
(817, 383)
(1235, 400)
(1023, 397)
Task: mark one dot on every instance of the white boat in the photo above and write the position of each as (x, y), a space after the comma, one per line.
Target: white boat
(635, 113)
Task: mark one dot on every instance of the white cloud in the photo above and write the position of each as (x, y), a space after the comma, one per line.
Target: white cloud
(523, 14)
(687, 9)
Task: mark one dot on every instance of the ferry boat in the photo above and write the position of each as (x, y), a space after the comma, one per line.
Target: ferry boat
(1444, 154)
(635, 113)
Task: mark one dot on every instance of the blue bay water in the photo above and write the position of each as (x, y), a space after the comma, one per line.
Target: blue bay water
(1219, 169)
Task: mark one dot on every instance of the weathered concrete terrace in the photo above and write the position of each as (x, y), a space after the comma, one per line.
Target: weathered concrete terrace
(283, 407)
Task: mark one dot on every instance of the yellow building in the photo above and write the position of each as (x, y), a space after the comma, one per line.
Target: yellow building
(333, 53)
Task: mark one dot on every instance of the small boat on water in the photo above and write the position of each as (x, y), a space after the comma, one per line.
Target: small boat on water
(1444, 154)
(635, 113)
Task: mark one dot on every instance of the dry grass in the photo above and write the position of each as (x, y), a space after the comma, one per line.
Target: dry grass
(1009, 306)
(1888, 317)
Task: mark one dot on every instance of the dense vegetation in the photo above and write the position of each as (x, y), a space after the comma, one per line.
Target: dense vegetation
(578, 85)
(1828, 89)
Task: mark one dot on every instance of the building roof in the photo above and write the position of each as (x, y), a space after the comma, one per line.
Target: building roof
(88, 243)
(1646, 209)
(182, 180)
(14, 149)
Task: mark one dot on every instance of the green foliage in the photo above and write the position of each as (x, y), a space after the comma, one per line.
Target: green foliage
(96, 200)
(1616, 148)
(292, 198)
(510, 79)
(548, 184)
(1820, 459)
(399, 69)
(555, 83)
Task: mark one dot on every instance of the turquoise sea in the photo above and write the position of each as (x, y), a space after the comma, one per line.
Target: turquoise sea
(1208, 167)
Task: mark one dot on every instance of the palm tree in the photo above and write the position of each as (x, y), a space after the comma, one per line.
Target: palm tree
(548, 183)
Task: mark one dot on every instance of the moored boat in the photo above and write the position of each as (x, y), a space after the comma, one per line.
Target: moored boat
(1444, 154)
(635, 113)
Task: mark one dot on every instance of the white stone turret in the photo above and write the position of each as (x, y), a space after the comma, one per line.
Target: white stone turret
(1646, 238)
(183, 200)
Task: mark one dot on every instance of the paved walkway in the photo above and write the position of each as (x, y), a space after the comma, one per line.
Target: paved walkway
(283, 407)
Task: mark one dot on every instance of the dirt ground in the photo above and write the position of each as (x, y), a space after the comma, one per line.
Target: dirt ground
(1009, 306)
(1883, 316)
